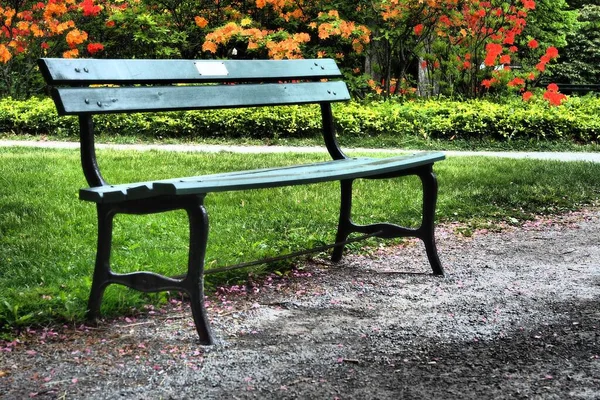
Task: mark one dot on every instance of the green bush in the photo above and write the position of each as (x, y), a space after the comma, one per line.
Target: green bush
(577, 120)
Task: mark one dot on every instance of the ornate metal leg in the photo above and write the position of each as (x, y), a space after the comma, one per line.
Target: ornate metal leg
(427, 229)
(345, 221)
(102, 271)
(194, 281)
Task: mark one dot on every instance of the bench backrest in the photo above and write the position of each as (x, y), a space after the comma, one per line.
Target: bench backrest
(85, 87)
(189, 84)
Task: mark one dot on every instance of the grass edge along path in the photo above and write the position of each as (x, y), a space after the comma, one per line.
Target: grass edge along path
(47, 236)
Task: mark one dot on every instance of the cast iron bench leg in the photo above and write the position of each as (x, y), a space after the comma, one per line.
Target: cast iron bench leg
(194, 281)
(102, 272)
(427, 228)
(426, 232)
(345, 226)
(192, 284)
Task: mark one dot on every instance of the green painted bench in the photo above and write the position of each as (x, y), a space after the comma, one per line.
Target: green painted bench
(86, 87)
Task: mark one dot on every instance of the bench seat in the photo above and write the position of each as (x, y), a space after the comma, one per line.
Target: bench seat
(334, 170)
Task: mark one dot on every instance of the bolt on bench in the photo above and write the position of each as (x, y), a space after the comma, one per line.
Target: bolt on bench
(85, 87)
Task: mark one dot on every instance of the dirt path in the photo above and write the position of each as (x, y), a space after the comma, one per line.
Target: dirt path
(517, 317)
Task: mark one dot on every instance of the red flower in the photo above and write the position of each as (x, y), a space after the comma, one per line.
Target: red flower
(527, 96)
(93, 48)
(553, 87)
(541, 66)
(554, 98)
(533, 44)
(418, 29)
(552, 52)
(529, 4)
(493, 50)
(516, 82)
(488, 82)
(89, 8)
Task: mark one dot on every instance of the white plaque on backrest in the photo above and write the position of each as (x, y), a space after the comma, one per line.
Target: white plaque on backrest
(211, 68)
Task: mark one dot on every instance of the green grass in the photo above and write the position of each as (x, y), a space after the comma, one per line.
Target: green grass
(48, 237)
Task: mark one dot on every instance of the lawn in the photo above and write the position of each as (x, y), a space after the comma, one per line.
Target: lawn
(47, 236)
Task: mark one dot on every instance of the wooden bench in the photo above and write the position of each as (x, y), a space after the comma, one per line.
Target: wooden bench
(85, 87)
(567, 88)
(574, 88)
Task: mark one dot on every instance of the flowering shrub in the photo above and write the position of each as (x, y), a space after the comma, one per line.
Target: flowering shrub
(456, 47)
(32, 29)
(577, 120)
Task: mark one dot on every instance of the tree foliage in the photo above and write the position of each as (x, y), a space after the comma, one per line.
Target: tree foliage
(579, 62)
(31, 29)
(457, 47)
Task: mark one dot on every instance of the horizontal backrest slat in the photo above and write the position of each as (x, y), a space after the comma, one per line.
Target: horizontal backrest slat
(58, 71)
(168, 98)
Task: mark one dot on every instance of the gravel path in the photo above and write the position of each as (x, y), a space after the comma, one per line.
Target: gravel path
(516, 317)
(560, 156)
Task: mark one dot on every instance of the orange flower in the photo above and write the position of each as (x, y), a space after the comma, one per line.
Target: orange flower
(37, 32)
(73, 53)
(325, 30)
(5, 55)
(357, 46)
(75, 37)
(210, 47)
(201, 22)
(527, 96)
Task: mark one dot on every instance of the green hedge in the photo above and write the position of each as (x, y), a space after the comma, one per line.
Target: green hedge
(577, 120)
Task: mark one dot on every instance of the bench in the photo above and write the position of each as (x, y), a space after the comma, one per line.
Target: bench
(573, 88)
(85, 87)
(578, 88)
